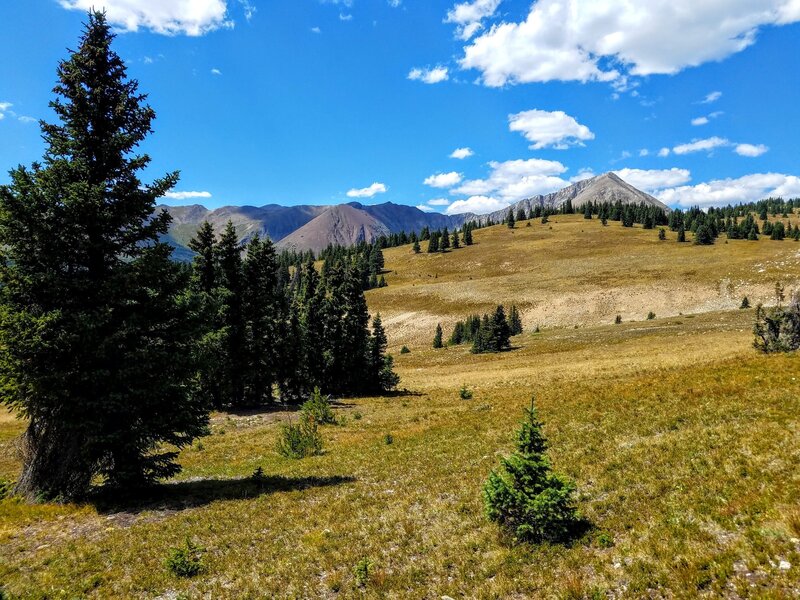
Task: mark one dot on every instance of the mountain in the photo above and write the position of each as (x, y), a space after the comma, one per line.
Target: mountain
(314, 227)
(608, 187)
(343, 225)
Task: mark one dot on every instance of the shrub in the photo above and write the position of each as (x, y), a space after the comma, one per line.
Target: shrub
(651, 315)
(745, 303)
(388, 439)
(617, 319)
(186, 561)
(525, 497)
(361, 571)
(300, 440)
(404, 350)
(465, 393)
(778, 329)
(318, 408)
(357, 415)
(662, 234)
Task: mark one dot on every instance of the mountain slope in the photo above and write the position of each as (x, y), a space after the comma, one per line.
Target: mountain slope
(342, 225)
(608, 187)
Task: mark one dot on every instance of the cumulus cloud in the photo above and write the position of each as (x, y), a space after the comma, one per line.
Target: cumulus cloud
(700, 121)
(316, 30)
(583, 174)
(189, 17)
(187, 195)
(480, 205)
(461, 153)
(216, 72)
(549, 129)
(4, 108)
(443, 180)
(721, 192)
(516, 179)
(424, 208)
(368, 192)
(751, 150)
(439, 202)
(468, 16)
(655, 179)
(664, 152)
(580, 40)
(426, 75)
(706, 145)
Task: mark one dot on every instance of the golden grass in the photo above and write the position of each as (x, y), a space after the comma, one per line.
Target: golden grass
(683, 441)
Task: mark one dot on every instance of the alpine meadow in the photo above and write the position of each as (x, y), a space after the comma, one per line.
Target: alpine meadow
(401, 349)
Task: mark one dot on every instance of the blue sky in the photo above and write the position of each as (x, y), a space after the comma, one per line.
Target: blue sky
(328, 101)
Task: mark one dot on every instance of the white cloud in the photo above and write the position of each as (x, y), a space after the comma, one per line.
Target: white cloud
(700, 121)
(549, 129)
(424, 208)
(439, 202)
(751, 150)
(25, 119)
(480, 205)
(582, 175)
(462, 153)
(664, 152)
(516, 179)
(721, 192)
(434, 75)
(4, 106)
(216, 72)
(580, 40)
(706, 145)
(368, 192)
(189, 17)
(644, 152)
(343, 17)
(468, 16)
(187, 195)
(316, 30)
(712, 97)
(656, 179)
(249, 9)
(443, 180)
(395, 3)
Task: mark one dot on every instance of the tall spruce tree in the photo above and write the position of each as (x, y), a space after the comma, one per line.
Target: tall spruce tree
(96, 328)
(468, 235)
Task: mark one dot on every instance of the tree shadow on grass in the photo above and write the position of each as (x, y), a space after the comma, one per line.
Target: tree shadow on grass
(182, 495)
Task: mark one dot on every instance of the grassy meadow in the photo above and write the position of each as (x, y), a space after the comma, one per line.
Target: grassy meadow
(683, 441)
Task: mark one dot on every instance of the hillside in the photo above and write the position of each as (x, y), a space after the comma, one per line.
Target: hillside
(608, 187)
(689, 484)
(574, 271)
(342, 225)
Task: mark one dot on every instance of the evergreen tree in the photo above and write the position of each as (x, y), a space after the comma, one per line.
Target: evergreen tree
(262, 310)
(382, 378)
(203, 245)
(514, 321)
(520, 214)
(681, 232)
(662, 234)
(437, 338)
(233, 331)
(433, 243)
(467, 235)
(455, 243)
(97, 332)
(587, 211)
(510, 219)
(524, 496)
(703, 236)
(416, 247)
(444, 241)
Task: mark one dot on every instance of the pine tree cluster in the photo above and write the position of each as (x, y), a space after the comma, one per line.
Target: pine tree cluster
(269, 330)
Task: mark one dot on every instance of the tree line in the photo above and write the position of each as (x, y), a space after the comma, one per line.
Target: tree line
(490, 333)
